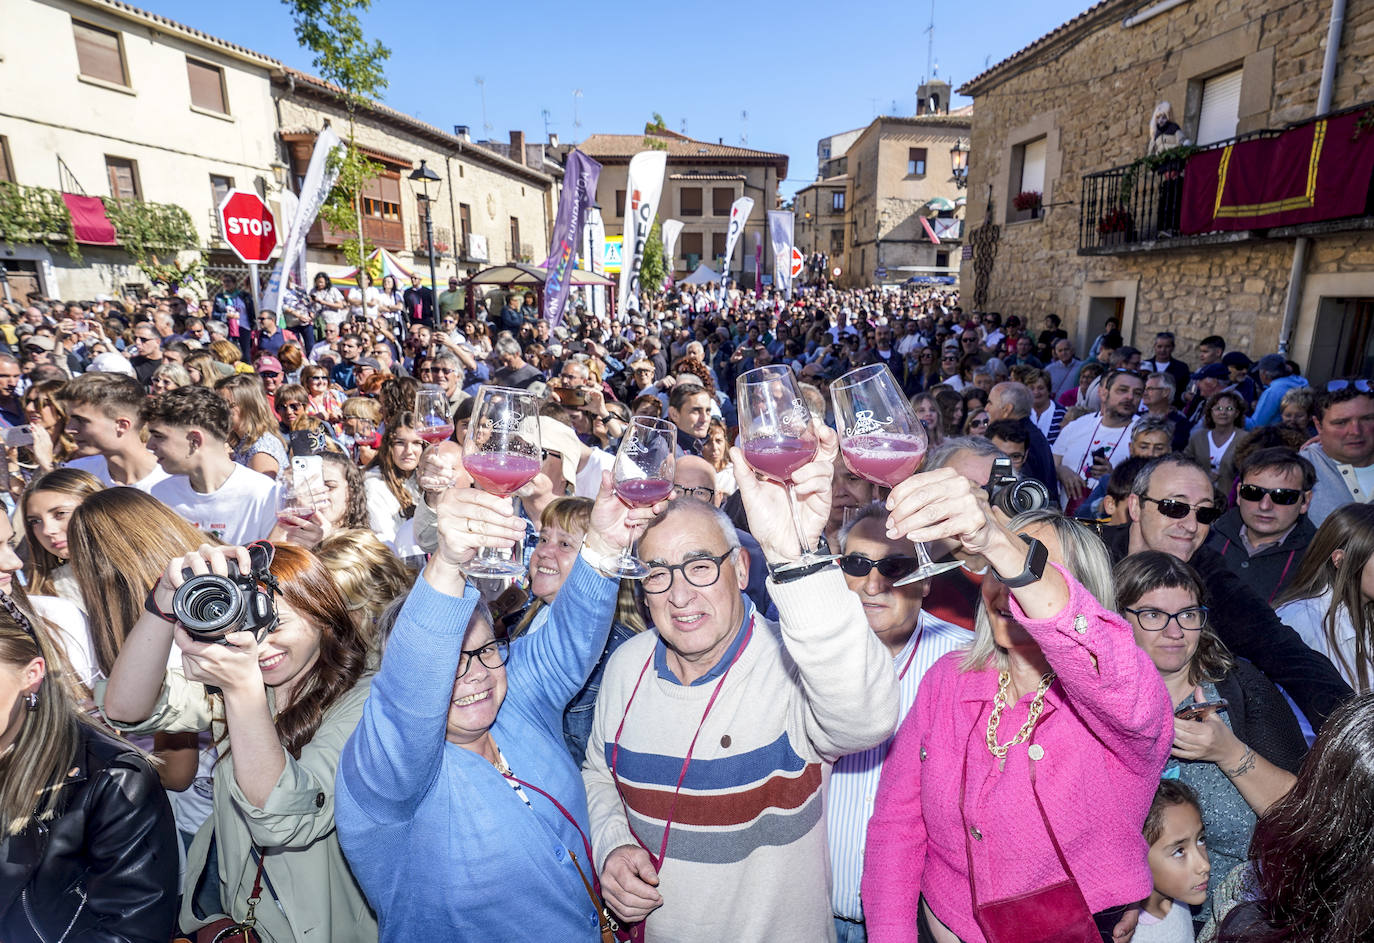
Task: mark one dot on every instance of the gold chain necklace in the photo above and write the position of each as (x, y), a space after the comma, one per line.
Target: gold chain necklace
(999, 702)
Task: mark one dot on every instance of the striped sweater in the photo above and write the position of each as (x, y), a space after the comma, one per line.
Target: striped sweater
(747, 857)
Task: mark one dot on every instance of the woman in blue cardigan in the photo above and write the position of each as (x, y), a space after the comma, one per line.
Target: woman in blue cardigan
(459, 808)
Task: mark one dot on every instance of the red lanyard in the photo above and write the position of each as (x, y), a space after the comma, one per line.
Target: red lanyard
(1088, 458)
(587, 845)
(686, 762)
(901, 676)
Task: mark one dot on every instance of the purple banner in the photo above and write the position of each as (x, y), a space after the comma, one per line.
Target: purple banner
(579, 192)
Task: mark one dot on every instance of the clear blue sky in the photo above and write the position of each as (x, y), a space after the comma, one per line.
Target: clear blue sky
(801, 70)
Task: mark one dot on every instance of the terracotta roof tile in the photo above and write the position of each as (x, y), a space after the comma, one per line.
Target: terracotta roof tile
(627, 145)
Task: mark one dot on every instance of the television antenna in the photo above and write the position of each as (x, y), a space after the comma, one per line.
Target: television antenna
(546, 115)
(744, 134)
(577, 97)
(482, 87)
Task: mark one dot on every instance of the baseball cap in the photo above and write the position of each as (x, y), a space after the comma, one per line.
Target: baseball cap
(558, 437)
(268, 364)
(41, 341)
(368, 362)
(1213, 371)
(111, 362)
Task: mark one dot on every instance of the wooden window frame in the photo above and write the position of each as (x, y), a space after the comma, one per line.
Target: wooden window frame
(223, 88)
(123, 81)
(916, 166)
(729, 200)
(682, 202)
(133, 177)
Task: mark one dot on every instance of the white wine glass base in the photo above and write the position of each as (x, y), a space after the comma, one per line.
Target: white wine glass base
(928, 568)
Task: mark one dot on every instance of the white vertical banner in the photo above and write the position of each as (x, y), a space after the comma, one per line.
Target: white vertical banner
(596, 257)
(739, 215)
(319, 180)
(780, 223)
(643, 186)
(672, 228)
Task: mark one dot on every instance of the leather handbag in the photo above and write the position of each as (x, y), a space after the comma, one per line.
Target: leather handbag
(229, 930)
(1054, 914)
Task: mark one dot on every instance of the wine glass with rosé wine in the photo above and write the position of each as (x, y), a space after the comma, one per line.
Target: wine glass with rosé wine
(881, 440)
(777, 436)
(502, 454)
(432, 416)
(643, 473)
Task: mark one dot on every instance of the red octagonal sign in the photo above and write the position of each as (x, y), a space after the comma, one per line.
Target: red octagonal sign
(249, 226)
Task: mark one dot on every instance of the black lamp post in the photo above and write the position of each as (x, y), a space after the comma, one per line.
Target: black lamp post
(426, 176)
(958, 160)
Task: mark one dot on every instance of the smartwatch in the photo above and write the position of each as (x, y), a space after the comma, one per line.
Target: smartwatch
(1036, 558)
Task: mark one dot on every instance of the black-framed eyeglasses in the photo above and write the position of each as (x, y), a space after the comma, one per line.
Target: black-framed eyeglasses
(700, 492)
(1285, 496)
(1192, 619)
(1178, 510)
(492, 656)
(700, 572)
(890, 568)
(547, 454)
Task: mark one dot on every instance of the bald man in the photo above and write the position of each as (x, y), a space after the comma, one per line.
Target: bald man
(695, 478)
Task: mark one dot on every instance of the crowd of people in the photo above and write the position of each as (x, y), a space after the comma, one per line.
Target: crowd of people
(251, 689)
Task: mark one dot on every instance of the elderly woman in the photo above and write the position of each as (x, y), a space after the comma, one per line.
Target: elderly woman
(459, 806)
(991, 809)
(1238, 760)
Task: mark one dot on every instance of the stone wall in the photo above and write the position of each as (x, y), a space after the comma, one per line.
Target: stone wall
(1091, 92)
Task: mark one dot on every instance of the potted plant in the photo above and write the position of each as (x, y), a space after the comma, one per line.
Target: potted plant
(1027, 204)
(1116, 226)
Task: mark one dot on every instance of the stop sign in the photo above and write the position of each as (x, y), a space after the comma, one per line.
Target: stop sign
(797, 260)
(249, 226)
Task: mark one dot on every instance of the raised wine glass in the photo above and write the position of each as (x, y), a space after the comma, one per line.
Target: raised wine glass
(881, 440)
(432, 415)
(295, 498)
(502, 454)
(777, 436)
(643, 474)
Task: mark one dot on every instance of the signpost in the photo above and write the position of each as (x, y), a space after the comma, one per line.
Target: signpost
(251, 231)
(798, 262)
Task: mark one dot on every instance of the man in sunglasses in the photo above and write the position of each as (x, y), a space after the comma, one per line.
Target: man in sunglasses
(871, 563)
(1263, 538)
(1171, 508)
(739, 717)
(1344, 452)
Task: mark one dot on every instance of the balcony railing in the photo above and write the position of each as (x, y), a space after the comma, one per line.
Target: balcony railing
(387, 233)
(443, 240)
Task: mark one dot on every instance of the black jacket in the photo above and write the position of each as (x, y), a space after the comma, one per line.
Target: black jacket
(1040, 460)
(104, 869)
(1270, 571)
(1250, 629)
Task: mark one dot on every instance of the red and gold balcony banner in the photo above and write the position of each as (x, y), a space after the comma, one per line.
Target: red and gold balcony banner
(1317, 171)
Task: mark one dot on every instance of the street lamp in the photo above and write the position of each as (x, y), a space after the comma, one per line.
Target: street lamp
(958, 160)
(426, 176)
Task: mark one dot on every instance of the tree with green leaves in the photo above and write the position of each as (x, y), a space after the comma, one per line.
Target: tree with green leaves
(653, 270)
(346, 58)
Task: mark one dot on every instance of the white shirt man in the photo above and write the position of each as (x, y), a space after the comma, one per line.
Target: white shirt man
(1092, 445)
(103, 413)
(189, 437)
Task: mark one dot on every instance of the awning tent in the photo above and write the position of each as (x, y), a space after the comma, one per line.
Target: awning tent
(704, 275)
(519, 273)
(939, 204)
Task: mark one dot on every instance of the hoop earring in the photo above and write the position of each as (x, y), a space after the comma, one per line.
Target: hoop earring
(31, 701)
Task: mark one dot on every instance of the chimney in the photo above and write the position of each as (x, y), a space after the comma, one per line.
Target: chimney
(462, 132)
(517, 146)
(553, 139)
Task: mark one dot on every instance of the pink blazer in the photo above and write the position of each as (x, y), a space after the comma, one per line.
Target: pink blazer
(1106, 731)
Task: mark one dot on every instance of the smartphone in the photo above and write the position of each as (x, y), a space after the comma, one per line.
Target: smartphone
(16, 436)
(1200, 711)
(1100, 454)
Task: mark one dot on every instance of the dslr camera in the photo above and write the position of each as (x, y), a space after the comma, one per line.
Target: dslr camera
(1012, 495)
(210, 606)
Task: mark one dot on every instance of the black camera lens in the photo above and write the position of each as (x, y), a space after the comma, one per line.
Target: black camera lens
(209, 606)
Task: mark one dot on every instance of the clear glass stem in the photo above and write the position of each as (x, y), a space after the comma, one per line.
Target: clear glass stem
(796, 519)
(922, 557)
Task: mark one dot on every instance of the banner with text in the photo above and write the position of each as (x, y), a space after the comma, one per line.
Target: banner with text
(579, 193)
(739, 215)
(643, 185)
(780, 224)
(319, 180)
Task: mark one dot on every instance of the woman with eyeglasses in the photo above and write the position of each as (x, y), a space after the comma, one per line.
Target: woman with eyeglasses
(1236, 740)
(1214, 444)
(459, 806)
(1331, 600)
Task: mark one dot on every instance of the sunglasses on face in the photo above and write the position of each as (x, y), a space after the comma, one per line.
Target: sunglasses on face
(890, 568)
(1284, 496)
(1178, 510)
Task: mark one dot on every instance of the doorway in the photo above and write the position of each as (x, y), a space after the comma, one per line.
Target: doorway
(1343, 343)
(19, 280)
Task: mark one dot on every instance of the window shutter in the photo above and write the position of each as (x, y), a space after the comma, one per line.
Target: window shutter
(123, 181)
(6, 169)
(98, 54)
(1033, 166)
(390, 188)
(721, 199)
(207, 86)
(1220, 108)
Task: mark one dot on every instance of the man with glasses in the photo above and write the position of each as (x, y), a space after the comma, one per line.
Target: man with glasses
(268, 338)
(914, 640)
(738, 717)
(1344, 453)
(1264, 537)
(1171, 508)
(147, 355)
(1158, 401)
(693, 477)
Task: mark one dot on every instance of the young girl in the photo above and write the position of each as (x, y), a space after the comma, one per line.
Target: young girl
(1178, 865)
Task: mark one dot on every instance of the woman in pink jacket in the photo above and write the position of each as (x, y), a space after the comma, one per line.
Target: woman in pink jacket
(1017, 786)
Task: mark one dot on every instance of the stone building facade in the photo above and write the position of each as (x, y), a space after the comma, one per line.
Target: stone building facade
(701, 182)
(820, 224)
(1078, 102)
(899, 172)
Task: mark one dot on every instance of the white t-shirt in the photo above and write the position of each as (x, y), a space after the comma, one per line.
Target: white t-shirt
(588, 483)
(243, 510)
(100, 468)
(1085, 435)
(357, 300)
(1176, 927)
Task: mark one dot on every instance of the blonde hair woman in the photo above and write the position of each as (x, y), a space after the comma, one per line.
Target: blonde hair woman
(369, 575)
(255, 438)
